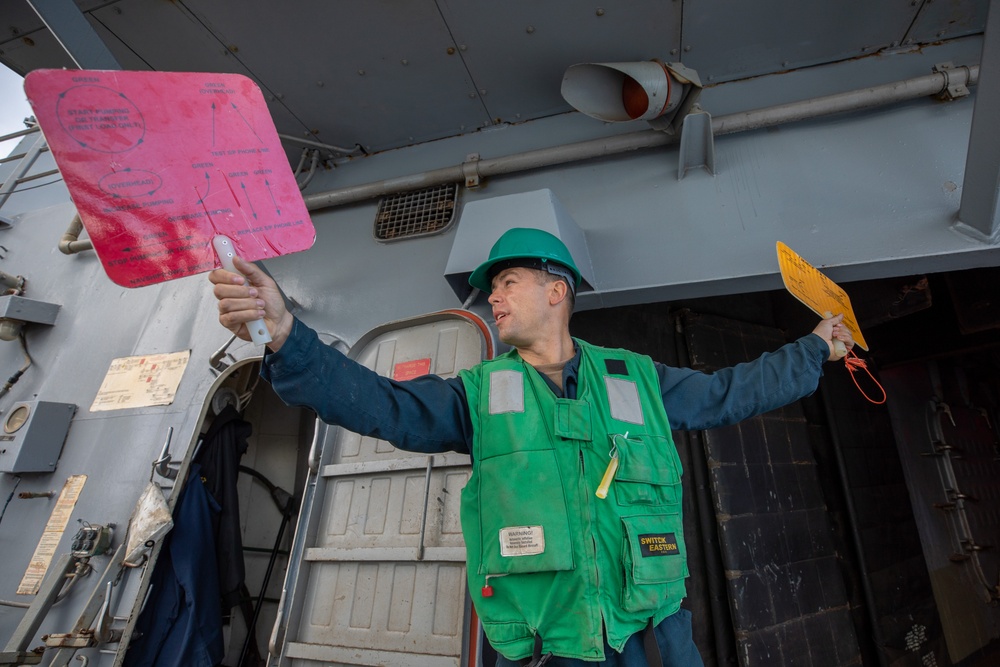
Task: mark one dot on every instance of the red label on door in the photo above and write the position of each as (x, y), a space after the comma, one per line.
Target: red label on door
(159, 163)
(407, 370)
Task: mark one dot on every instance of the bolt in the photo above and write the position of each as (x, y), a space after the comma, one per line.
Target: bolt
(234, 48)
(463, 47)
(687, 48)
(530, 29)
(361, 72)
(784, 63)
(28, 41)
(280, 96)
(451, 50)
(673, 52)
(319, 83)
(404, 61)
(482, 91)
(600, 11)
(472, 96)
(118, 11)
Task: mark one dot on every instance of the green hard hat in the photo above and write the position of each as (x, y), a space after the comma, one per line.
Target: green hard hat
(532, 248)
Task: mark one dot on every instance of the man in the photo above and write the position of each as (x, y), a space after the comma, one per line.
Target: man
(572, 515)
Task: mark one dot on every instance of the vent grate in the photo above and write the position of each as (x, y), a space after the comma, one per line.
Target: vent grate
(420, 213)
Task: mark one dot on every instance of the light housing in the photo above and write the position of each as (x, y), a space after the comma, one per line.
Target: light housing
(660, 93)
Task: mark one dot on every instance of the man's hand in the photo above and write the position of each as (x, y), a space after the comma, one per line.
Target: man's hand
(243, 300)
(832, 329)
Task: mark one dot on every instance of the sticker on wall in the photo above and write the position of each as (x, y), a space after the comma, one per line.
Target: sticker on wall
(139, 382)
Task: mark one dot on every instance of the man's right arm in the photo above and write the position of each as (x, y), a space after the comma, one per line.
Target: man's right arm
(426, 414)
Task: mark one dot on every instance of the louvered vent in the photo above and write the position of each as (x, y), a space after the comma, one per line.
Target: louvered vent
(420, 213)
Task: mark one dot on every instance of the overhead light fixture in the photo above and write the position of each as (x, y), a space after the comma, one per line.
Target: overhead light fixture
(660, 93)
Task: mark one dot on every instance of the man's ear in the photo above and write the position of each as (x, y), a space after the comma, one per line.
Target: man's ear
(558, 292)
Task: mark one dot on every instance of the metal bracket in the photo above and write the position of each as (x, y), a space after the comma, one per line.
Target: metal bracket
(697, 142)
(952, 90)
(427, 493)
(97, 609)
(470, 169)
(161, 466)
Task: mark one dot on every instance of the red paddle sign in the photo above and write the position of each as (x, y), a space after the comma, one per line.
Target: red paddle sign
(159, 163)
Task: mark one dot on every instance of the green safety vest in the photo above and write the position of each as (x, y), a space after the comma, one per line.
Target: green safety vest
(545, 554)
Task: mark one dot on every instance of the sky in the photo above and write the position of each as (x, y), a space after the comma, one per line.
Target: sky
(13, 106)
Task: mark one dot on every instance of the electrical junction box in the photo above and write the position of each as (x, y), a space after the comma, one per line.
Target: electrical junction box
(22, 309)
(32, 434)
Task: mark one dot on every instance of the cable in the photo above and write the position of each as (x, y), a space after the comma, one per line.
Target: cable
(853, 363)
(12, 380)
(9, 498)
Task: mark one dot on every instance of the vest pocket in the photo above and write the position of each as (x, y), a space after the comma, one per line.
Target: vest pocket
(524, 524)
(649, 471)
(654, 558)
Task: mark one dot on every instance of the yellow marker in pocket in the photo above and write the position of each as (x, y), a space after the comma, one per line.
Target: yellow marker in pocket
(609, 473)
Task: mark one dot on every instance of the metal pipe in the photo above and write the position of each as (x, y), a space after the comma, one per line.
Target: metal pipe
(852, 514)
(69, 244)
(20, 133)
(15, 177)
(856, 100)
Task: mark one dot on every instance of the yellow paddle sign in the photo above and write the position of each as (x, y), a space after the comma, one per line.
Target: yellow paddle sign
(820, 294)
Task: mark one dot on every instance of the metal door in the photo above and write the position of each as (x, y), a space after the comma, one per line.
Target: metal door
(378, 562)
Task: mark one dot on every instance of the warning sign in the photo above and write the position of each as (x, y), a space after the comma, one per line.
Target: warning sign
(159, 163)
(407, 370)
(54, 528)
(823, 296)
(522, 541)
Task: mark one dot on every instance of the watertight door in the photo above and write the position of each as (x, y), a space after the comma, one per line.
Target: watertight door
(378, 561)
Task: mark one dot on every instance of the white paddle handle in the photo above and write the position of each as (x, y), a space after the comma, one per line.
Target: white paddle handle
(839, 349)
(226, 252)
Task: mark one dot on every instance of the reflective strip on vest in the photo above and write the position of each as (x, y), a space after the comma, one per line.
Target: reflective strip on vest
(506, 392)
(623, 400)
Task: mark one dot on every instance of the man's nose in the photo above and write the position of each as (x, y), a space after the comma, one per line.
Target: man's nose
(493, 299)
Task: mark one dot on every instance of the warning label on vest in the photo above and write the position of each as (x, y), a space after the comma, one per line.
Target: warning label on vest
(658, 544)
(522, 541)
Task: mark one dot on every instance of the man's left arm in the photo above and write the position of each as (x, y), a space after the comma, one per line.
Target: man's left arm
(696, 400)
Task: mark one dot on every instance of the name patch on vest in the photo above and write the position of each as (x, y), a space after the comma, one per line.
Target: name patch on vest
(658, 544)
(522, 541)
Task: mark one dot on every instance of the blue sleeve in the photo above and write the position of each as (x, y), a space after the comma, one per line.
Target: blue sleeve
(427, 414)
(695, 400)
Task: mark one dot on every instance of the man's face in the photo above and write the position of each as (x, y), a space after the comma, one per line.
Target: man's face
(520, 305)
